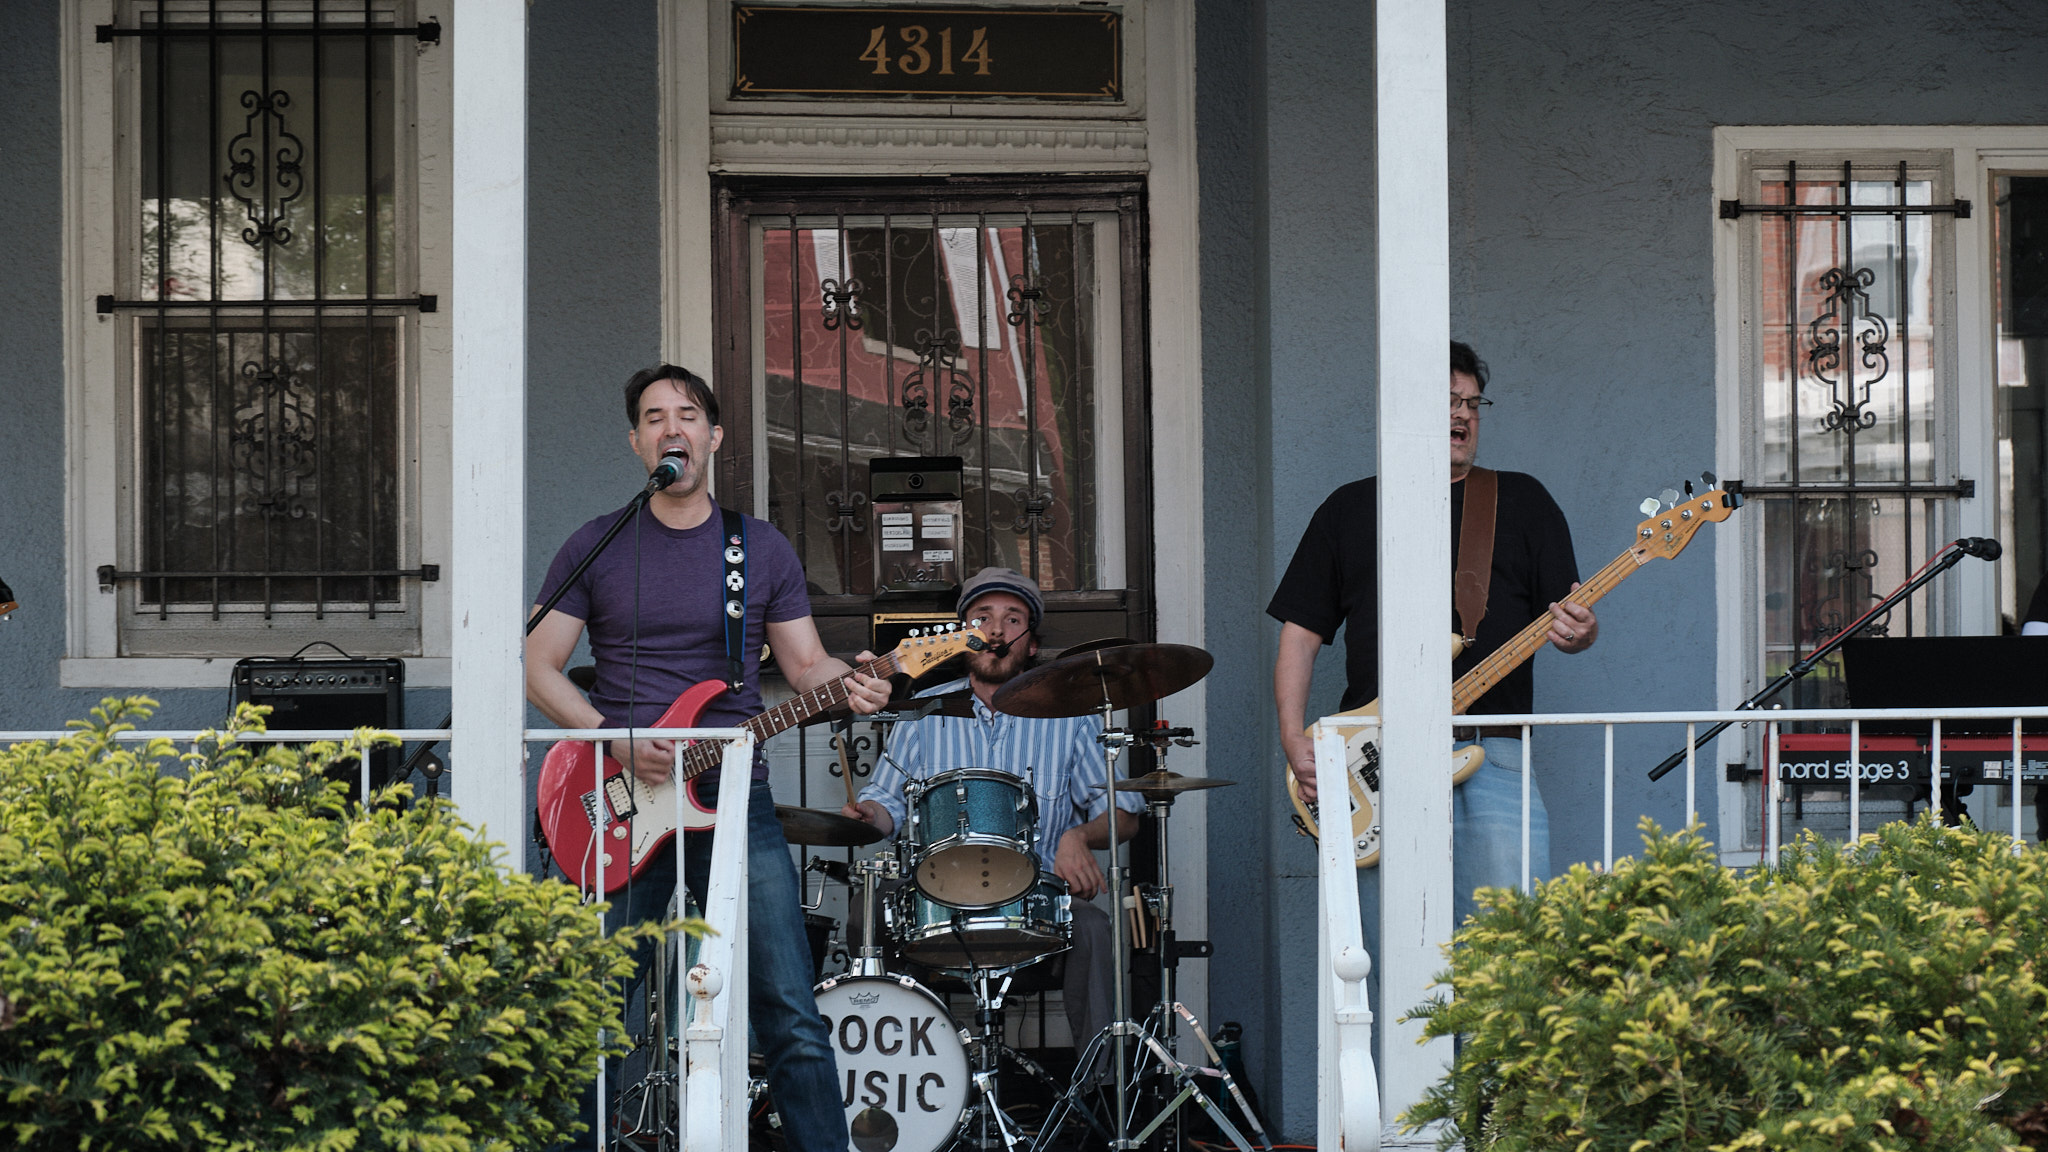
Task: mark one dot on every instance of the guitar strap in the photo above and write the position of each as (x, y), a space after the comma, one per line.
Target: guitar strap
(1474, 577)
(735, 600)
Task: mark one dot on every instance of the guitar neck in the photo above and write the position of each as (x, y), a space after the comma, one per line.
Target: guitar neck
(789, 713)
(1509, 656)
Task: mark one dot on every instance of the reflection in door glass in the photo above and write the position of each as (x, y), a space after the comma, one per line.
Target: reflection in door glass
(971, 337)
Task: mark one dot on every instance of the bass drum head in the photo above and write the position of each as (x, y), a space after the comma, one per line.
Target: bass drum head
(902, 1062)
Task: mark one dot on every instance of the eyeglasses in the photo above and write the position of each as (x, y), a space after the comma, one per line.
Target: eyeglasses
(1475, 403)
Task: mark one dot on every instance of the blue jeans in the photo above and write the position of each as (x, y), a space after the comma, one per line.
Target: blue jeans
(783, 1019)
(1486, 852)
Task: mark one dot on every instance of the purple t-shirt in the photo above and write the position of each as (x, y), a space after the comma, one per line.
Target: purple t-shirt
(680, 622)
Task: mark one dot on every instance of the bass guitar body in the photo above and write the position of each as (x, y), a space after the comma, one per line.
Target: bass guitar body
(1362, 774)
(639, 817)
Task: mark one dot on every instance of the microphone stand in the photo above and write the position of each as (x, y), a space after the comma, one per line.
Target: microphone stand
(654, 484)
(1954, 557)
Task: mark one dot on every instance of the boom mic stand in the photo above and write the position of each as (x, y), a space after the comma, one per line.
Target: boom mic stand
(1952, 555)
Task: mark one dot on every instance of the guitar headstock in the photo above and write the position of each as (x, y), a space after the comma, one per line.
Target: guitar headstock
(1666, 533)
(919, 654)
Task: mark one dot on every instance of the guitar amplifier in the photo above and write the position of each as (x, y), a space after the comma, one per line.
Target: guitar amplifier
(316, 695)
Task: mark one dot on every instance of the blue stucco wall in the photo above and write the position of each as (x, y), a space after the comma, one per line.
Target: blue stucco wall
(1581, 155)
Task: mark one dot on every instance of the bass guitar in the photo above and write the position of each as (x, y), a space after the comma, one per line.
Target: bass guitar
(641, 817)
(1662, 536)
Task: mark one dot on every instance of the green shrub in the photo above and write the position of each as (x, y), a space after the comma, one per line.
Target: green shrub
(1884, 994)
(231, 957)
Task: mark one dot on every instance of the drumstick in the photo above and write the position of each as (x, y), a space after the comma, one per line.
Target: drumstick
(845, 764)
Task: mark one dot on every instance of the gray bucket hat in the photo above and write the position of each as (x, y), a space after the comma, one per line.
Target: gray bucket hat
(1003, 580)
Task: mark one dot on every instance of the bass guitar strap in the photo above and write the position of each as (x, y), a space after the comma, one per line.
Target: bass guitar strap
(735, 600)
(1474, 577)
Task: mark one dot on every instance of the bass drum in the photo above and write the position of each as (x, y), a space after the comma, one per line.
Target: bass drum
(902, 1062)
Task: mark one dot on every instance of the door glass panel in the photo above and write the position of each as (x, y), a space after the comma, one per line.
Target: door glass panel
(970, 336)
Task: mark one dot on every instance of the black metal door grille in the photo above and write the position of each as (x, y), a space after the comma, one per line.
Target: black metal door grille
(1851, 375)
(272, 304)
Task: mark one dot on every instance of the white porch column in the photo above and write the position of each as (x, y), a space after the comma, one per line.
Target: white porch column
(1415, 547)
(488, 290)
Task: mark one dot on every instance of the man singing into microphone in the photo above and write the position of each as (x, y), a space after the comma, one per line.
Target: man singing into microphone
(654, 606)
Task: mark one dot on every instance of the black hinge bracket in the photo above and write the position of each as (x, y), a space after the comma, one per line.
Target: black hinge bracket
(430, 573)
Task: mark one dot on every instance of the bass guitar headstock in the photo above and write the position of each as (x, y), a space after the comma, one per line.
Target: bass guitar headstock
(1674, 518)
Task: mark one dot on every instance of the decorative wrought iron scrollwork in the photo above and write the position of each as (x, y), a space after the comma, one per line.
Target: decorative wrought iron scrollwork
(938, 361)
(844, 514)
(1850, 574)
(275, 442)
(840, 303)
(1027, 301)
(856, 755)
(1847, 306)
(255, 179)
(1035, 513)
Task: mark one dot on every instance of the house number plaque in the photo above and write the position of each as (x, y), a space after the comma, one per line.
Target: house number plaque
(954, 53)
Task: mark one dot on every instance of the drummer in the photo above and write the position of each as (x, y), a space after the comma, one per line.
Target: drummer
(1059, 756)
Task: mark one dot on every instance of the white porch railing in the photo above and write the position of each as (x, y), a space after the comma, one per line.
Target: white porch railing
(1352, 1115)
(711, 1108)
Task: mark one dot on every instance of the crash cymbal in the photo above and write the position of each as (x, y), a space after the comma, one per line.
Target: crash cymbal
(1164, 785)
(820, 829)
(1127, 675)
(1093, 645)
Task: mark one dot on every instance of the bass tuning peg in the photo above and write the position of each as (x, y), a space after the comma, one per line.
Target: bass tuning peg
(1670, 497)
(1707, 478)
(1649, 506)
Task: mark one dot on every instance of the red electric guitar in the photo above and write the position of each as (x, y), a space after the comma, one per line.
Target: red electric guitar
(641, 816)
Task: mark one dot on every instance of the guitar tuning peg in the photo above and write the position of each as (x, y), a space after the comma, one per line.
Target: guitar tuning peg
(1688, 489)
(1708, 479)
(1649, 506)
(1669, 496)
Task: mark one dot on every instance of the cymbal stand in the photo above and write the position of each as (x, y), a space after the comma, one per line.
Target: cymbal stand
(1157, 1036)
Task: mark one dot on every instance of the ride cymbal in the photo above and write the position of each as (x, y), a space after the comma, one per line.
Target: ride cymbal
(1125, 676)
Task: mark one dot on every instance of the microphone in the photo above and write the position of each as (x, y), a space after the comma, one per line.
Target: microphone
(1001, 650)
(667, 472)
(1982, 547)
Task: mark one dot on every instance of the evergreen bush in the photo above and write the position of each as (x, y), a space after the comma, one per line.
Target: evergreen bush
(1882, 994)
(230, 956)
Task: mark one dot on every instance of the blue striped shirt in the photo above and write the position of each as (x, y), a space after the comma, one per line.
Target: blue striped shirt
(1058, 755)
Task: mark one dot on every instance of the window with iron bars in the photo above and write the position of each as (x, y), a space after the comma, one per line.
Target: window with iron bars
(269, 306)
(1849, 395)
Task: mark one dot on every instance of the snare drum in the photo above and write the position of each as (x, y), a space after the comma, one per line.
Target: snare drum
(970, 837)
(902, 1062)
(1031, 927)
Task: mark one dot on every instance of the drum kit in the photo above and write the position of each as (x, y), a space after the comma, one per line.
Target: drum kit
(958, 901)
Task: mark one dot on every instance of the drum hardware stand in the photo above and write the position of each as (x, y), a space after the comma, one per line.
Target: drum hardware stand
(1159, 1055)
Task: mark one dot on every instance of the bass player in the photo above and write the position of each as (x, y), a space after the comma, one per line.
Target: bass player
(1332, 582)
(653, 604)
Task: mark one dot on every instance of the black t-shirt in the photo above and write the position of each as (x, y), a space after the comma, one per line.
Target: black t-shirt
(1330, 582)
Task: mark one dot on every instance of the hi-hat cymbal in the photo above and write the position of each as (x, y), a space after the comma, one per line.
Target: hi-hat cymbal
(1126, 675)
(1164, 785)
(820, 829)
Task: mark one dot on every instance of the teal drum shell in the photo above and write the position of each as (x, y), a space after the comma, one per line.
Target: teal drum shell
(960, 942)
(971, 837)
